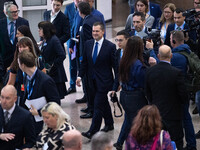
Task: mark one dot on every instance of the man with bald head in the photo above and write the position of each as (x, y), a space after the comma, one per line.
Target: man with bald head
(72, 140)
(165, 88)
(16, 124)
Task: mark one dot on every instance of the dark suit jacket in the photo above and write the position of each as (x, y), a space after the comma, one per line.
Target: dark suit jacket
(155, 11)
(171, 28)
(21, 124)
(101, 71)
(6, 48)
(117, 62)
(61, 23)
(53, 54)
(165, 88)
(86, 32)
(44, 86)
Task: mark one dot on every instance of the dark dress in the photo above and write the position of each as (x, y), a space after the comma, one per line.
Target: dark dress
(53, 56)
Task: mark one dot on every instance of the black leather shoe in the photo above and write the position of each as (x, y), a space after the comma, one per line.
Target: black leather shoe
(197, 135)
(195, 111)
(87, 116)
(118, 146)
(71, 90)
(82, 100)
(107, 128)
(85, 110)
(87, 134)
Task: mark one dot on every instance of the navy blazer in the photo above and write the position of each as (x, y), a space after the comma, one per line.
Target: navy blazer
(156, 12)
(21, 124)
(61, 23)
(86, 32)
(44, 86)
(117, 63)
(171, 27)
(101, 71)
(7, 49)
(53, 54)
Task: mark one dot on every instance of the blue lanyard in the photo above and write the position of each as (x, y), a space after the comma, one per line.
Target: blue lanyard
(30, 91)
(165, 30)
(121, 53)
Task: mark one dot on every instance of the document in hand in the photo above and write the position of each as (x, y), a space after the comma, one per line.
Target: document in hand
(38, 103)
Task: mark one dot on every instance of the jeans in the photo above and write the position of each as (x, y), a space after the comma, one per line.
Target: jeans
(188, 127)
(131, 103)
(197, 100)
(72, 69)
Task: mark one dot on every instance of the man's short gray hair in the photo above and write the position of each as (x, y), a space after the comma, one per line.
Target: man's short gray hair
(7, 6)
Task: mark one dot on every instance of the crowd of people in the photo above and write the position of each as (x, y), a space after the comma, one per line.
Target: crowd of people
(148, 68)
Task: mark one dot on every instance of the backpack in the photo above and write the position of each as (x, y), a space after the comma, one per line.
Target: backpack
(193, 74)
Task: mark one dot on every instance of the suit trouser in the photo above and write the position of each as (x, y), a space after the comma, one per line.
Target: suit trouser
(131, 102)
(175, 129)
(102, 109)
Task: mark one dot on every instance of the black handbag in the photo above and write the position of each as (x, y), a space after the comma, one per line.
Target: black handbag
(114, 99)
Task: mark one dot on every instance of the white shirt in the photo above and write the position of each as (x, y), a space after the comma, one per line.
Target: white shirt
(100, 42)
(53, 16)
(181, 27)
(10, 110)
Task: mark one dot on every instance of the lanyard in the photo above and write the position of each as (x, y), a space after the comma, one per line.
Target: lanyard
(30, 88)
(121, 53)
(165, 30)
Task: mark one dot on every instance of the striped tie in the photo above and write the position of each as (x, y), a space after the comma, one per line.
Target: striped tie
(12, 36)
(6, 113)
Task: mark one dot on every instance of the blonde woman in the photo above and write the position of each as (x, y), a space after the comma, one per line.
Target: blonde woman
(56, 123)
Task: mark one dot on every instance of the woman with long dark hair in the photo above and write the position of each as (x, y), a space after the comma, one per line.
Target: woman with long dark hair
(22, 31)
(131, 77)
(53, 55)
(146, 130)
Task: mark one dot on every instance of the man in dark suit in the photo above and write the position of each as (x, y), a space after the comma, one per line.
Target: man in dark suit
(59, 20)
(95, 12)
(86, 34)
(16, 124)
(37, 85)
(179, 24)
(165, 88)
(98, 62)
(8, 30)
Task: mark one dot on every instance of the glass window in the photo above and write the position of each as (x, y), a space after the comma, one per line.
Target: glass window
(34, 2)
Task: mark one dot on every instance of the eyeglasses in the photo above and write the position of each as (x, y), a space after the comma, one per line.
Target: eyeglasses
(167, 12)
(118, 40)
(13, 12)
